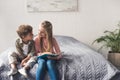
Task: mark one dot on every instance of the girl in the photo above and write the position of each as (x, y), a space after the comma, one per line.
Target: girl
(46, 43)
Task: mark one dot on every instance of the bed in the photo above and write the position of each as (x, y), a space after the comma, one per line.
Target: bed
(79, 62)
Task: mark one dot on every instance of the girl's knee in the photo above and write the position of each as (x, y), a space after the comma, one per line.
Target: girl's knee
(41, 61)
(50, 62)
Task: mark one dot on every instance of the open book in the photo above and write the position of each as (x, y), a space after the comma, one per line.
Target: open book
(45, 55)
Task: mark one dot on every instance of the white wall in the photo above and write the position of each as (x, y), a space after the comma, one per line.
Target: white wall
(93, 17)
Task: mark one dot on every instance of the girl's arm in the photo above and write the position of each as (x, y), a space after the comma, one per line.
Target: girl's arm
(57, 50)
(56, 46)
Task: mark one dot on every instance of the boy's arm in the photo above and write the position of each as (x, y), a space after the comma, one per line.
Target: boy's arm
(18, 48)
(32, 52)
(25, 60)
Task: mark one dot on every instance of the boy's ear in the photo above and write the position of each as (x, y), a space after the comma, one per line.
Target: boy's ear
(22, 37)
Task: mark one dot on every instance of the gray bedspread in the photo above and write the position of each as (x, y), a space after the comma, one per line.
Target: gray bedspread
(79, 62)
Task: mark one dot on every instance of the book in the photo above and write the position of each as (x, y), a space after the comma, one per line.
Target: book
(45, 55)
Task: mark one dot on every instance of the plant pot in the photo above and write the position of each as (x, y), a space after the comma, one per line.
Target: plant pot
(114, 58)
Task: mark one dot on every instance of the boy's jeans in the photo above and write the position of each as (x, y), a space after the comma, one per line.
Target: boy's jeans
(15, 58)
(43, 65)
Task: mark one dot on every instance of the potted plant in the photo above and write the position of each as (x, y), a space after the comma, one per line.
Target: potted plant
(111, 40)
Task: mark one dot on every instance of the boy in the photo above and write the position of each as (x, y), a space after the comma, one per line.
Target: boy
(25, 50)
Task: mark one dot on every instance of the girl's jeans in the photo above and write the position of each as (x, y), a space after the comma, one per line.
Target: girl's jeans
(43, 65)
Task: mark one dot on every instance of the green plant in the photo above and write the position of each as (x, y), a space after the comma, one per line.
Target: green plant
(111, 40)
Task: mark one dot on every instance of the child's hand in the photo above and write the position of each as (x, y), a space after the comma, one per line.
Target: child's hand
(23, 63)
(59, 57)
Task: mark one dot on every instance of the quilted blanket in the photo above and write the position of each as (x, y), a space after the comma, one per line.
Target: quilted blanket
(79, 62)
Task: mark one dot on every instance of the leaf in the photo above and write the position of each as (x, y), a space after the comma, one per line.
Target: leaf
(111, 40)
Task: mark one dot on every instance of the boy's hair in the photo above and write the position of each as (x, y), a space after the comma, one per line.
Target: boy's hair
(23, 30)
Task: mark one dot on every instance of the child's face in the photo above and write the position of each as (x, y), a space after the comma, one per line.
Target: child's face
(42, 32)
(28, 37)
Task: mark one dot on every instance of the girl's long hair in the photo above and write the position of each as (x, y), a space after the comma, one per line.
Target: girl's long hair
(49, 35)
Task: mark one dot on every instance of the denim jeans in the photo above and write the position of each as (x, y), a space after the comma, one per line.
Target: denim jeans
(43, 65)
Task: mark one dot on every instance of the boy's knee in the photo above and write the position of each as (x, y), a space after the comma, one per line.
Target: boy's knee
(12, 57)
(12, 54)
